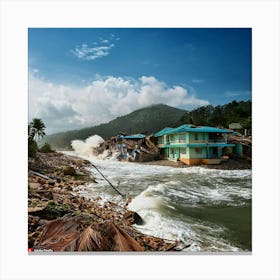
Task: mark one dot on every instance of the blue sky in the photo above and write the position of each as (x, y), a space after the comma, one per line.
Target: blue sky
(118, 70)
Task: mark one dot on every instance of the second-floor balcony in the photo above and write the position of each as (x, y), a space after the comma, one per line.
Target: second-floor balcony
(217, 140)
(178, 141)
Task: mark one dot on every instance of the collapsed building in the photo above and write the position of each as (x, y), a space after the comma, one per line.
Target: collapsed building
(243, 144)
(136, 147)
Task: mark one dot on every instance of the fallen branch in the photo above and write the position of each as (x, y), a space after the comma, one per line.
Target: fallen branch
(41, 175)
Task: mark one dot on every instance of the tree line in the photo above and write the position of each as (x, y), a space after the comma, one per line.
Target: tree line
(221, 115)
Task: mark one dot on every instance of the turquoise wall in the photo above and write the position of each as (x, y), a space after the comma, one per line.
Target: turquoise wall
(211, 153)
(238, 150)
(191, 152)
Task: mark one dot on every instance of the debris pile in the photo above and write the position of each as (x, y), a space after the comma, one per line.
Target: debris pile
(239, 138)
(245, 141)
(59, 219)
(137, 147)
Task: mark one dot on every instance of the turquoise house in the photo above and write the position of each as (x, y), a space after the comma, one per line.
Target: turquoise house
(193, 144)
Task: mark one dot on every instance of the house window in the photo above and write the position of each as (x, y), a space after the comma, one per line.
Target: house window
(198, 150)
(182, 138)
(196, 136)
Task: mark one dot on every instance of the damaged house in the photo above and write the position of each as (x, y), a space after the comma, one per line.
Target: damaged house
(193, 144)
(136, 147)
(128, 146)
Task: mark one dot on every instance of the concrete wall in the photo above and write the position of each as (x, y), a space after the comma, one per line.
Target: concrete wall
(191, 161)
(211, 161)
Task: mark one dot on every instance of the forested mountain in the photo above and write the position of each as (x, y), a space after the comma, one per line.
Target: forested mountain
(146, 120)
(154, 118)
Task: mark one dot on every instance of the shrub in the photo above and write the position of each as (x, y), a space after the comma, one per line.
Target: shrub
(32, 148)
(46, 148)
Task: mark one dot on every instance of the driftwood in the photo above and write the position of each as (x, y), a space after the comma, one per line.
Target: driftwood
(42, 176)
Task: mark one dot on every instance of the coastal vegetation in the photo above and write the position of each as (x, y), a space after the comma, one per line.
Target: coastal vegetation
(36, 131)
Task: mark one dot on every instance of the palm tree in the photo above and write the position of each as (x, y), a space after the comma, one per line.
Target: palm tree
(36, 129)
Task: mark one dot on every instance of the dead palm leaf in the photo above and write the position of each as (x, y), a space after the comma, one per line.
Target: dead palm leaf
(90, 240)
(59, 235)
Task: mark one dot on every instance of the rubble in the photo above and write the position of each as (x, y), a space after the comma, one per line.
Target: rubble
(137, 147)
(239, 138)
(59, 219)
(245, 141)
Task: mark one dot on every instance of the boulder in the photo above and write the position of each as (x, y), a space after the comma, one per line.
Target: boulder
(133, 218)
(69, 170)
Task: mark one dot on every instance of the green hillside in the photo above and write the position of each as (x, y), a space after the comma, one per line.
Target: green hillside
(146, 120)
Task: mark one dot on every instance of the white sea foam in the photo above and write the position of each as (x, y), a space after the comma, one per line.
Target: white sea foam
(84, 148)
(200, 237)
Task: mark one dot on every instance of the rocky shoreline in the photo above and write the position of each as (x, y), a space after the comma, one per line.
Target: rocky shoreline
(59, 219)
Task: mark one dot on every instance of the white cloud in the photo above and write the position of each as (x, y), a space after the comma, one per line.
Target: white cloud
(64, 107)
(98, 49)
(86, 53)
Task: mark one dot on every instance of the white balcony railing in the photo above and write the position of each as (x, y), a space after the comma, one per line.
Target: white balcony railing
(181, 141)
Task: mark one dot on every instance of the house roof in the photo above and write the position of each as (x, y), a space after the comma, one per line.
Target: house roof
(189, 128)
(135, 136)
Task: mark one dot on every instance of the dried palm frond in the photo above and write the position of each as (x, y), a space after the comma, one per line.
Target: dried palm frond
(59, 235)
(119, 239)
(89, 240)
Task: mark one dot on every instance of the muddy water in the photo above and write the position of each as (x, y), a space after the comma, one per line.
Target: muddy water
(208, 209)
